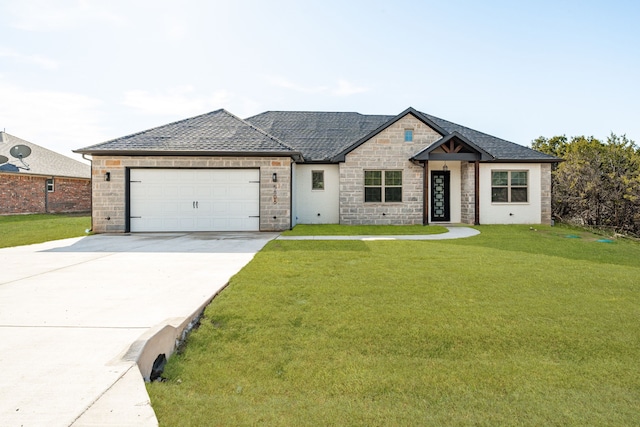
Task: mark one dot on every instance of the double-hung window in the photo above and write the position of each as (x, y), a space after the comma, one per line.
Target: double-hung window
(50, 186)
(509, 187)
(383, 186)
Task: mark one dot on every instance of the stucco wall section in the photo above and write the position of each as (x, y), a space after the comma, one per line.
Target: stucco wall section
(386, 151)
(317, 206)
(21, 194)
(109, 198)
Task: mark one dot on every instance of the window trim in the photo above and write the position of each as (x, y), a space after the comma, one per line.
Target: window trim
(321, 172)
(509, 186)
(383, 186)
(51, 186)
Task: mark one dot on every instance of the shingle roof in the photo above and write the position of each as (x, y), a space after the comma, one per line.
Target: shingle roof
(215, 132)
(500, 149)
(41, 161)
(318, 135)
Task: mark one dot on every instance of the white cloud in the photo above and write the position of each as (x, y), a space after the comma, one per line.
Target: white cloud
(45, 15)
(180, 101)
(346, 88)
(39, 60)
(59, 121)
(343, 87)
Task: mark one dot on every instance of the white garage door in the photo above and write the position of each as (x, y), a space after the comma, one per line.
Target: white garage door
(195, 199)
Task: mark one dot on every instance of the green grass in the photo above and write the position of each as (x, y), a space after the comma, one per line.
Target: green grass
(362, 230)
(511, 327)
(17, 230)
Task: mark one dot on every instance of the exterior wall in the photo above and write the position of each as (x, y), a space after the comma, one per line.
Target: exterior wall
(317, 206)
(386, 151)
(546, 192)
(69, 195)
(455, 184)
(512, 213)
(21, 194)
(467, 196)
(109, 198)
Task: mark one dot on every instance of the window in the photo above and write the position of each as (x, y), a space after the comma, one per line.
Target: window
(317, 180)
(50, 185)
(408, 135)
(509, 187)
(383, 185)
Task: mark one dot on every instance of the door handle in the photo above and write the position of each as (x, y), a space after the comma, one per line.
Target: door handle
(196, 205)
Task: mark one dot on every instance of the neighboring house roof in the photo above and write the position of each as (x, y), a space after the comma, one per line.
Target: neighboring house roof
(215, 133)
(41, 161)
(318, 136)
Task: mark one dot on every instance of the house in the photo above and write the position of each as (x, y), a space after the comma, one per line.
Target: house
(277, 169)
(34, 179)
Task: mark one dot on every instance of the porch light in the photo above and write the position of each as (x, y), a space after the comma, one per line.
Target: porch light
(107, 176)
(445, 167)
(274, 177)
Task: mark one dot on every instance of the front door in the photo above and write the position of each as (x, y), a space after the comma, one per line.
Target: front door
(440, 209)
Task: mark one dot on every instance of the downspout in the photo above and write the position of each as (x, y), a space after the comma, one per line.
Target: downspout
(90, 187)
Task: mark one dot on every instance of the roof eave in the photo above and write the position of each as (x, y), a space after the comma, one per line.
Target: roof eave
(191, 153)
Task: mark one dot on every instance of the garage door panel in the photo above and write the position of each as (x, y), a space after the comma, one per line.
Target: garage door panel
(194, 199)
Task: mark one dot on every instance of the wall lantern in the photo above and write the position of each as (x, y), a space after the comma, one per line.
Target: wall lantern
(445, 167)
(107, 176)
(274, 177)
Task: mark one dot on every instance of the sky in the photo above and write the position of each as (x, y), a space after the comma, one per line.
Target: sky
(74, 73)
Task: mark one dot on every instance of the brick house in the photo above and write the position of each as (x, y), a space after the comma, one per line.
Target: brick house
(44, 182)
(218, 172)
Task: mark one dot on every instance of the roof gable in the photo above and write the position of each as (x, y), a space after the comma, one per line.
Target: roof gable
(217, 132)
(455, 146)
(41, 161)
(340, 157)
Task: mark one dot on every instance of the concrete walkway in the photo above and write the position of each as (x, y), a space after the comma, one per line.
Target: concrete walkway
(456, 232)
(76, 314)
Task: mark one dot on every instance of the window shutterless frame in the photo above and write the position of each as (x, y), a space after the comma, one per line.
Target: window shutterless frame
(509, 186)
(383, 186)
(317, 180)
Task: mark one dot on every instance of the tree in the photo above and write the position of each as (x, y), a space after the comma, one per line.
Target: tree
(598, 183)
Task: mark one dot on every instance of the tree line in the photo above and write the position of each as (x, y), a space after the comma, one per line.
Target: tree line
(598, 183)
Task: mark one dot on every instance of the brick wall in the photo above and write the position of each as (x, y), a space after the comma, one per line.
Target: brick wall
(386, 151)
(109, 200)
(21, 194)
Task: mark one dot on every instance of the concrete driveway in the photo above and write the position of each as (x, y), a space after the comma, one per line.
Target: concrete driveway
(76, 314)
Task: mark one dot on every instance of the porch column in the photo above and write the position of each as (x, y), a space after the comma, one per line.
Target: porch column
(425, 195)
(476, 196)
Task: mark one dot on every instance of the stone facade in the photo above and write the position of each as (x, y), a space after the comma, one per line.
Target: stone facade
(468, 202)
(109, 197)
(545, 193)
(386, 151)
(22, 194)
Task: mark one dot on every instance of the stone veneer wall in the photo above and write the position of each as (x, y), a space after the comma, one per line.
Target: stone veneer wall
(545, 193)
(386, 151)
(109, 197)
(21, 194)
(468, 203)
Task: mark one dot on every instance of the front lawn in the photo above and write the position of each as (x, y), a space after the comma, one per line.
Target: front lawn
(16, 230)
(516, 326)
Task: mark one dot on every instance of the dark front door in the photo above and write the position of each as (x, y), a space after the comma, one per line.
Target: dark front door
(440, 196)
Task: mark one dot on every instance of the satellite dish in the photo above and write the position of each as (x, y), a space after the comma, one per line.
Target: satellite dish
(3, 159)
(20, 151)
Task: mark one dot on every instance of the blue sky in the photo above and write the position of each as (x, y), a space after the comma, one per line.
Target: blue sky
(75, 73)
